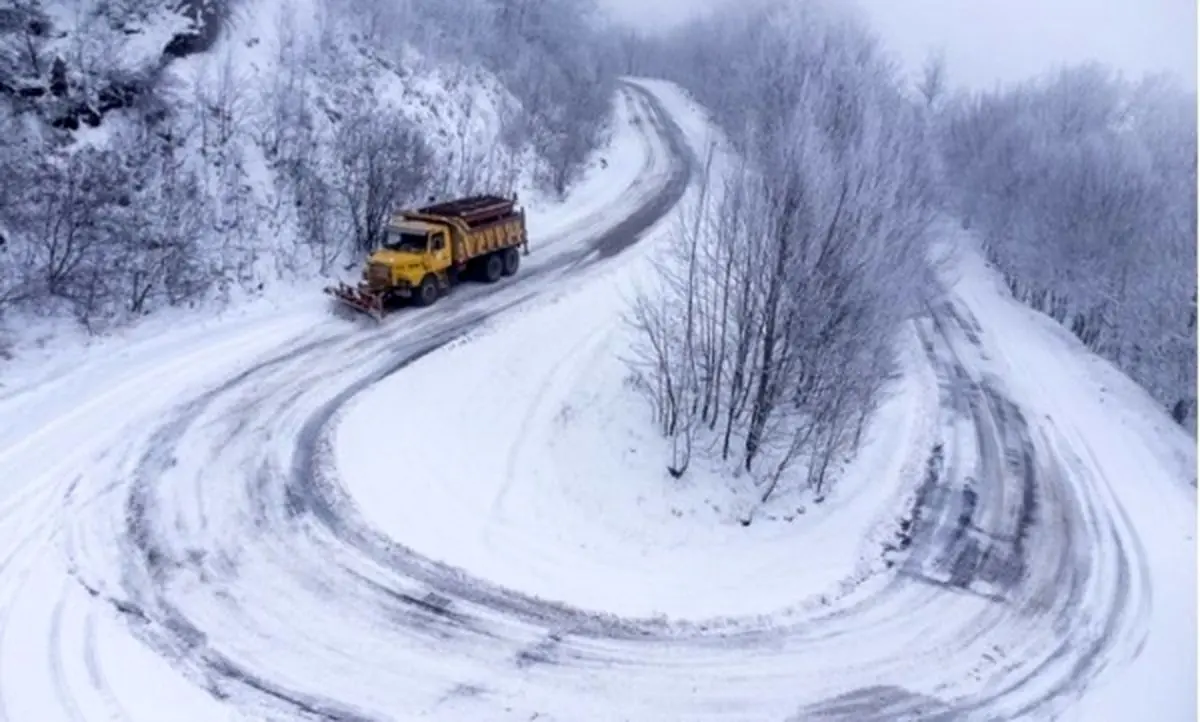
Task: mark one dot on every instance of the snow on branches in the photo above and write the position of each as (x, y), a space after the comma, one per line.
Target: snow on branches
(770, 338)
(1083, 186)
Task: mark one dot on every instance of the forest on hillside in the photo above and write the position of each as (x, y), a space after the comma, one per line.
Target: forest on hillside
(1083, 187)
(771, 337)
(177, 151)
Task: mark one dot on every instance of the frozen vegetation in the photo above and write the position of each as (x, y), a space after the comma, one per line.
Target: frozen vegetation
(1083, 185)
(769, 336)
(172, 151)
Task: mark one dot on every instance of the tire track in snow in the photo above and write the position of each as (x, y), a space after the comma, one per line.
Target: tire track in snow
(113, 710)
(1038, 604)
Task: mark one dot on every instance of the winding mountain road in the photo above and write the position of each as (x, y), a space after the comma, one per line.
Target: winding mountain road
(213, 531)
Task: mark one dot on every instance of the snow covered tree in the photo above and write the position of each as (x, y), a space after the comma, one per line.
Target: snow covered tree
(770, 337)
(1082, 185)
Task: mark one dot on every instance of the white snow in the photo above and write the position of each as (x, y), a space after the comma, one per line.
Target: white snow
(519, 455)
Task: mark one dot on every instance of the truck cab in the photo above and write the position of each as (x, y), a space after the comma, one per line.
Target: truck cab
(410, 251)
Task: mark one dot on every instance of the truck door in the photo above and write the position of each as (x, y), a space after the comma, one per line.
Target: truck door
(439, 249)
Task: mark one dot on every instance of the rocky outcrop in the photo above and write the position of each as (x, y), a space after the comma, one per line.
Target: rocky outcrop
(36, 75)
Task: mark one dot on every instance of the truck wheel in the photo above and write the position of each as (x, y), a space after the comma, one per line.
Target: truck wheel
(512, 261)
(493, 268)
(427, 292)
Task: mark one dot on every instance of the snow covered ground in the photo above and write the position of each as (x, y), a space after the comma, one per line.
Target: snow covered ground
(463, 514)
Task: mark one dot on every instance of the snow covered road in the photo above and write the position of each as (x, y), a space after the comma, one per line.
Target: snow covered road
(112, 504)
(191, 540)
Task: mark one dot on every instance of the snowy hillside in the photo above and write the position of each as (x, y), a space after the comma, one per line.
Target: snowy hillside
(178, 151)
(820, 394)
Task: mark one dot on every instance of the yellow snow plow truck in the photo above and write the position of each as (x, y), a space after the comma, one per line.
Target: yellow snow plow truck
(427, 250)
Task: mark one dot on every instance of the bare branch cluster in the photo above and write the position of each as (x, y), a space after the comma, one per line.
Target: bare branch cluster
(222, 176)
(117, 229)
(770, 338)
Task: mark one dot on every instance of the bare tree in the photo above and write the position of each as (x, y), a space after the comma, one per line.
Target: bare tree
(769, 339)
(382, 162)
(159, 256)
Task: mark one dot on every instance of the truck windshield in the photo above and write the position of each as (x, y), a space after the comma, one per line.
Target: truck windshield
(397, 240)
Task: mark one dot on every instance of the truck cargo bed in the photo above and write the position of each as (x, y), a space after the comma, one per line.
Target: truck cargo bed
(473, 210)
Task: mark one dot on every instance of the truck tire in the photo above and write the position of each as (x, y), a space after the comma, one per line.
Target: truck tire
(427, 293)
(492, 268)
(512, 261)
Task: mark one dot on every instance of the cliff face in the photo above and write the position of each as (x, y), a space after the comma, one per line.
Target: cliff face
(73, 62)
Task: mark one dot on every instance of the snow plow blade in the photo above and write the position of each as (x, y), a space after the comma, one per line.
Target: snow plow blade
(358, 299)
